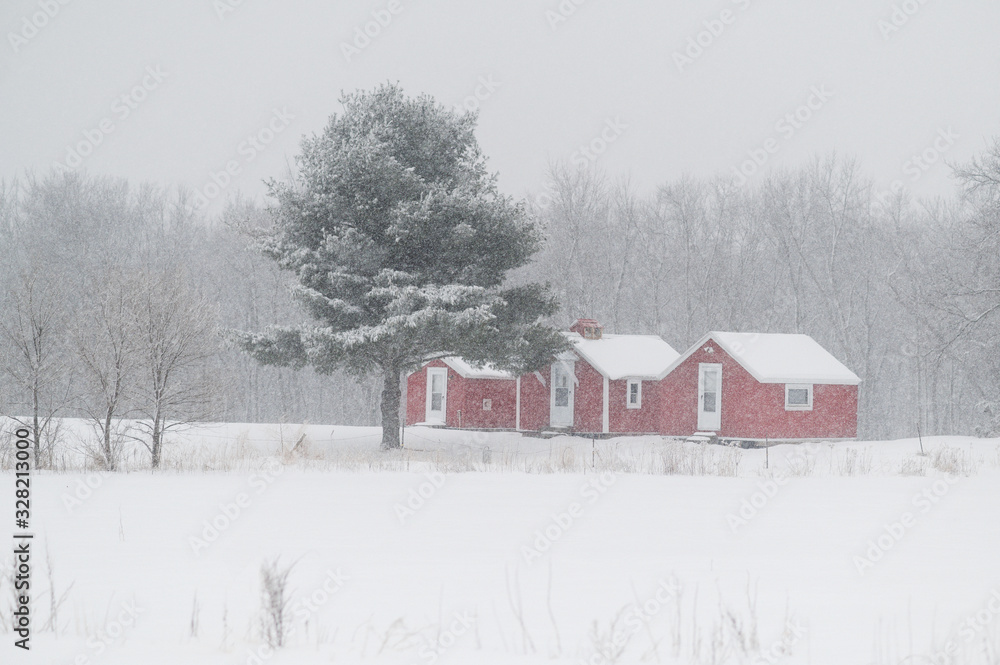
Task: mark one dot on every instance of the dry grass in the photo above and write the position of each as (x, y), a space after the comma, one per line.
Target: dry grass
(685, 630)
(705, 460)
(801, 466)
(854, 462)
(978, 643)
(914, 466)
(954, 461)
(232, 450)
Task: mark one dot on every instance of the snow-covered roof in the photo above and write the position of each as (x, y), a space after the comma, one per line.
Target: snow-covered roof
(621, 356)
(470, 371)
(779, 358)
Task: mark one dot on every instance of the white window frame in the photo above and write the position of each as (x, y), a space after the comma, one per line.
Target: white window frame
(443, 419)
(628, 394)
(709, 421)
(488, 404)
(569, 367)
(799, 386)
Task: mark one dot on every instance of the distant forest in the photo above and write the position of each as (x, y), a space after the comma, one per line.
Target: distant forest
(114, 293)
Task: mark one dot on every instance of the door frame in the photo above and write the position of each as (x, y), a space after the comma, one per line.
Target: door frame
(568, 366)
(428, 417)
(708, 421)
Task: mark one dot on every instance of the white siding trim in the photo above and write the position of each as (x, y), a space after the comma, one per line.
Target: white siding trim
(517, 405)
(440, 371)
(809, 394)
(606, 420)
(628, 394)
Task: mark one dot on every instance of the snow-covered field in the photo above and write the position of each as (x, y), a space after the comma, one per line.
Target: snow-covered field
(535, 551)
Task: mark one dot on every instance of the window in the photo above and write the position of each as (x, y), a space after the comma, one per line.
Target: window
(437, 391)
(710, 390)
(561, 386)
(633, 396)
(487, 405)
(798, 397)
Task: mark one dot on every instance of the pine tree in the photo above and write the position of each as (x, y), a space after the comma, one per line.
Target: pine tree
(400, 243)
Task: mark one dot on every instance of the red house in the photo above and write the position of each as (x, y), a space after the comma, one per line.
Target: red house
(747, 386)
(604, 385)
(758, 386)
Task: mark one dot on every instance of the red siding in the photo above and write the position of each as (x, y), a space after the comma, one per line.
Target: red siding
(503, 394)
(416, 394)
(588, 399)
(465, 396)
(535, 401)
(644, 420)
(455, 400)
(751, 409)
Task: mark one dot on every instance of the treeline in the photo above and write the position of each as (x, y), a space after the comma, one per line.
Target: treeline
(904, 293)
(114, 297)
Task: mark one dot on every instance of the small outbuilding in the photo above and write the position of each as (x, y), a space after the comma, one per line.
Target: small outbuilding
(451, 392)
(756, 386)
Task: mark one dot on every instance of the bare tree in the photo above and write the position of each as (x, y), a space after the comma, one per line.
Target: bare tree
(34, 329)
(106, 343)
(801, 251)
(176, 337)
(960, 298)
(834, 256)
(981, 176)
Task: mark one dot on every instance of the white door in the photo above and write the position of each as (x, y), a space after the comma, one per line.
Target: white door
(437, 394)
(561, 406)
(709, 397)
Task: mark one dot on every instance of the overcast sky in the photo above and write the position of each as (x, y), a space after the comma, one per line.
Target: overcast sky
(885, 81)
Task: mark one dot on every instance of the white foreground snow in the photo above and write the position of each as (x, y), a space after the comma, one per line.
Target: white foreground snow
(825, 556)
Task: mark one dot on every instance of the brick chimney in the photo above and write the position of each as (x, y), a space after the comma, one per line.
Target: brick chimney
(588, 328)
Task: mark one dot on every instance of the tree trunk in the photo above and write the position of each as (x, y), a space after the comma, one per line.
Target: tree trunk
(390, 409)
(110, 463)
(36, 427)
(157, 442)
